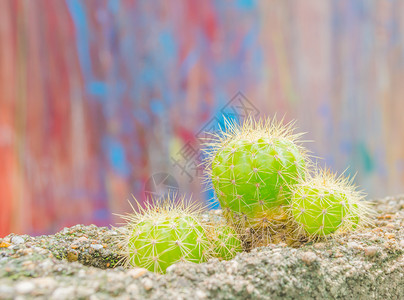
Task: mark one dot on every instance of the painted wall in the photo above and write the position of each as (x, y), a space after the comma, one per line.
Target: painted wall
(97, 96)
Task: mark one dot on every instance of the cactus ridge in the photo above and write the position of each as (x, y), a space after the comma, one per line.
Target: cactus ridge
(252, 168)
(324, 204)
(162, 234)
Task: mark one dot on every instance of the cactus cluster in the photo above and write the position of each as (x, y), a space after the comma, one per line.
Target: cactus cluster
(269, 188)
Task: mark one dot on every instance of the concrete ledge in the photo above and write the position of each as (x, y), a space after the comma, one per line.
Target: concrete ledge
(361, 265)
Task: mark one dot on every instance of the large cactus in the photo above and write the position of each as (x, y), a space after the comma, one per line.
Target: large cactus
(252, 168)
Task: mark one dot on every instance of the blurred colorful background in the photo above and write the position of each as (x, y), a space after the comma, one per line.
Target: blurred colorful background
(101, 99)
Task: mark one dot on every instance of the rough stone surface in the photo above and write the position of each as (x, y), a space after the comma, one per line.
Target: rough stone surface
(79, 263)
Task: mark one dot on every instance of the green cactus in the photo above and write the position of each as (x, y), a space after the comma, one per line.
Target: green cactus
(325, 204)
(164, 234)
(226, 243)
(252, 168)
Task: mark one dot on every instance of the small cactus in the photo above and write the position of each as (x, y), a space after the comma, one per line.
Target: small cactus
(325, 204)
(252, 168)
(163, 234)
(226, 243)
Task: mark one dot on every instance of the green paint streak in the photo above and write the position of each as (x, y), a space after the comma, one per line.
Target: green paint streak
(366, 157)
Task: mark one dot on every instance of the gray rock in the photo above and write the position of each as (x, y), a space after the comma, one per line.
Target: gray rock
(354, 245)
(47, 283)
(371, 251)
(132, 289)
(200, 295)
(147, 284)
(84, 292)
(97, 247)
(17, 240)
(24, 287)
(6, 291)
(62, 293)
(309, 257)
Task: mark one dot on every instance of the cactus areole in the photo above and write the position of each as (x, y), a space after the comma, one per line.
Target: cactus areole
(253, 169)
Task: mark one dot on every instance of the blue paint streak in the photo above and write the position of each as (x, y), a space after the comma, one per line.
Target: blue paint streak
(113, 6)
(246, 4)
(97, 88)
(157, 107)
(212, 202)
(78, 14)
(116, 155)
(167, 42)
